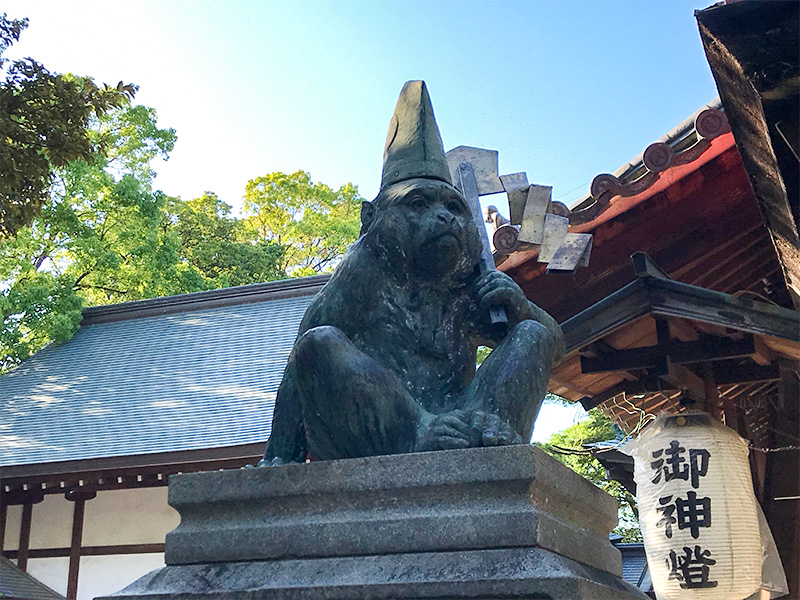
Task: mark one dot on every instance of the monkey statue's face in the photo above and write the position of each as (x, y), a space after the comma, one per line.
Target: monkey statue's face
(423, 227)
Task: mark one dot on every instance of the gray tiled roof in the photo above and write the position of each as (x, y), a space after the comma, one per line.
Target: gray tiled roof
(634, 565)
(186, 380)
(16, 584)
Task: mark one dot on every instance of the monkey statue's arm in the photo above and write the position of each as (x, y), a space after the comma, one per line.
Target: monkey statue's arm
(352, 287)
(497, 288)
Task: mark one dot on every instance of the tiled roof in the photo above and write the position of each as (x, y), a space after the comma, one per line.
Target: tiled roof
(634, 565)
(199, 371)
(15, 584)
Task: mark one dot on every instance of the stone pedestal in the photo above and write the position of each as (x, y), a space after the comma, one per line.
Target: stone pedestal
(495, 523)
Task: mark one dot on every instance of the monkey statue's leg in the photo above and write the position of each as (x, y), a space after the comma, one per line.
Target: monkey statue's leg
(287, 440)
(352, 405)
(512, 381)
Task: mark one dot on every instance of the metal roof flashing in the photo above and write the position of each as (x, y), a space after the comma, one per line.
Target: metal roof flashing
(243, 294)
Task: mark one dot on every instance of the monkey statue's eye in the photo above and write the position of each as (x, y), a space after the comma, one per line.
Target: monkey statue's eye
(455, 207)
(418, 203)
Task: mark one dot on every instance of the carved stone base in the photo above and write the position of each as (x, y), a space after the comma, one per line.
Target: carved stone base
(494, 523)
(520, 573)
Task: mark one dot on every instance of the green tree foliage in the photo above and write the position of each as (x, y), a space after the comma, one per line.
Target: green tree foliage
(104, 236)
(483, 352)
(568, 447)
(221, 248)
(44, 125)
(81, 225)
(314, 223)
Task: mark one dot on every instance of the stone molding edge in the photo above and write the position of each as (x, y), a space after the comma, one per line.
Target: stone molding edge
(502, 497)
(467, 466)
(519, 573)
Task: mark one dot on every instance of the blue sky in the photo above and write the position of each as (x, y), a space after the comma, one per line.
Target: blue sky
(564, 90)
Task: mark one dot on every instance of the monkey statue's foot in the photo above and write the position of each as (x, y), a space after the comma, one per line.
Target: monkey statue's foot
(491, 430)
(444, 432)
(464, 429)
(276, 461)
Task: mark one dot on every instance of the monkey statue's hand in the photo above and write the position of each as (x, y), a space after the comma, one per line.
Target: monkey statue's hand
(445, 432)
(490, 430)
(497, 288)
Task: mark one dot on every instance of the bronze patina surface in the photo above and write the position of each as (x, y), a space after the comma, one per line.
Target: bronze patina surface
(385, 358)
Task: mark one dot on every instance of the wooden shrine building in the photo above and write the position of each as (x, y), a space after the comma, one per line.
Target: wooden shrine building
(708, 315)
(93, 428)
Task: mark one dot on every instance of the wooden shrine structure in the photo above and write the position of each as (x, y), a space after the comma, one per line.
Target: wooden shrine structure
(709, 313)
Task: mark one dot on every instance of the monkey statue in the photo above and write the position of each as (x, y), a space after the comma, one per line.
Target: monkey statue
(385, 359)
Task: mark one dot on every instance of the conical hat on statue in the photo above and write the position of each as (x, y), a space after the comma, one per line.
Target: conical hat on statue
(414, 146)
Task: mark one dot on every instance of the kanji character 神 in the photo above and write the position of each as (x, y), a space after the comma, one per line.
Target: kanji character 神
(692, 513)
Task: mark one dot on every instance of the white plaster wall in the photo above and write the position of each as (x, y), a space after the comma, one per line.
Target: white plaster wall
(51, 522)
(99, 575)
(13, 522)
(139, 516)
(52, 572)
(103, 575)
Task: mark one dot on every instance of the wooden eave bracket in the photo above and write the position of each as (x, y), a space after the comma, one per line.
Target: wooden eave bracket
(654, 294)
(661, 297)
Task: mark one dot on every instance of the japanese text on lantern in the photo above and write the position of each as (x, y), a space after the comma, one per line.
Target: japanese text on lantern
(691, 566)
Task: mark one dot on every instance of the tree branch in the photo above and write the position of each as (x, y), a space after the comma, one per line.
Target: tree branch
(78, 280)
(100, 287)
(40, 260)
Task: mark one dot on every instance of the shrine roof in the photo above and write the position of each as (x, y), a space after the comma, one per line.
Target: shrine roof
(167, 375)
(16, 584)
(634, 565)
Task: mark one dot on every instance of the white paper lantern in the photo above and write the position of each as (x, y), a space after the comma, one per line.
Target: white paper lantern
(697, 509)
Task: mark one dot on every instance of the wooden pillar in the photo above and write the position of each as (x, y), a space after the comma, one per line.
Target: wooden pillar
(25, 536)
(3, 518)
(783, 479)
(758, 460)
(79, 497)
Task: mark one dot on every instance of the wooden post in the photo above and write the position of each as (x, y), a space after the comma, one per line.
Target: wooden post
(25, 536)
(783, 479)
(79, 497)
(715, 404)
(3, 517)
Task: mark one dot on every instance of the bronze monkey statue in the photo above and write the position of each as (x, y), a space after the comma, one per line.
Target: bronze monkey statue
(385, 357)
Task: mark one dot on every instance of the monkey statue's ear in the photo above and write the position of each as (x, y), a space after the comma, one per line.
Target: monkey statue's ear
(367, 216)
